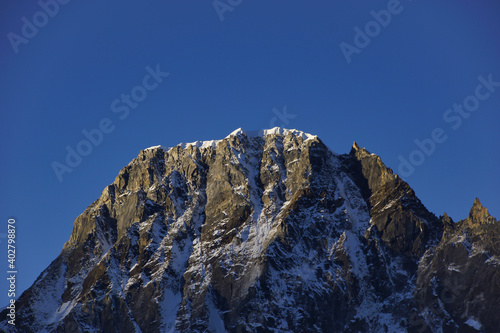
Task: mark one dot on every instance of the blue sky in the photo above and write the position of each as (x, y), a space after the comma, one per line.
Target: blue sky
(255, 65)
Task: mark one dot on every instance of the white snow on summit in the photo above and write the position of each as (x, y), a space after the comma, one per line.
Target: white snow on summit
(200, 144)
(257, 133)
(159, 147)
(272, 131)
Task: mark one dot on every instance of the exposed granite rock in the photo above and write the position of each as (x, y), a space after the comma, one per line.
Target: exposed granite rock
(405, 224)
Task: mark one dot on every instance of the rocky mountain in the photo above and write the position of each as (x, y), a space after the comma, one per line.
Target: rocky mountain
(266, 231)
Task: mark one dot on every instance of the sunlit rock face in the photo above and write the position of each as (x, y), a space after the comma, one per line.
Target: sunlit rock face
(266, 231)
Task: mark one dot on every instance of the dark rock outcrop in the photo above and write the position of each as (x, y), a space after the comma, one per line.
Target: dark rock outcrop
(458, 281)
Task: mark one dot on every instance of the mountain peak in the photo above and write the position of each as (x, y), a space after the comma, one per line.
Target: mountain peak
(237, 132)
(356, 150)
(271, 131)
(479, 214)
(214, 235)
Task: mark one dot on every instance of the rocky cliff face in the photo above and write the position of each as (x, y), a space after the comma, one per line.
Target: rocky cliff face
(458, 282)
(266, 232)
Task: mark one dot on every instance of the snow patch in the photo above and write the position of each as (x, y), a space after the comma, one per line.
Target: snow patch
(474, 323)
(200, 144)
(170, 305)
(215, 321)
(272, 131)
(159, 147)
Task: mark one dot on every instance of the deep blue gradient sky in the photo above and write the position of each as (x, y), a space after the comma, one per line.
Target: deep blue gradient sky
(231, 73)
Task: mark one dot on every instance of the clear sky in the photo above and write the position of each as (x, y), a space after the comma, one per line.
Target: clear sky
(381, 73)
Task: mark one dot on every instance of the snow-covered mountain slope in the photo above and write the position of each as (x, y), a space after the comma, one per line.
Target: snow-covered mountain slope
(264, 231)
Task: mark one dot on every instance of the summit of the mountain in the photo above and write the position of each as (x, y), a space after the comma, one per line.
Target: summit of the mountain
(272, 131)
